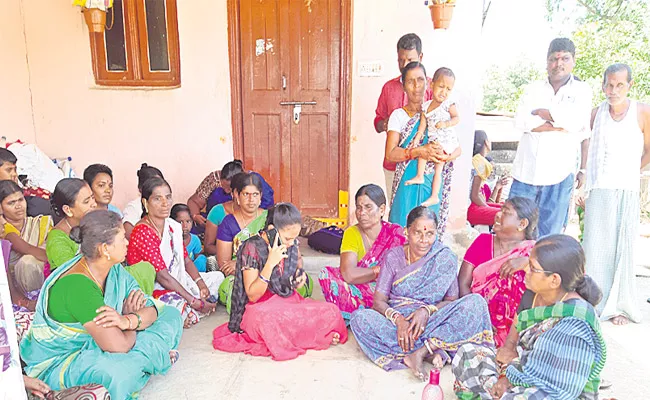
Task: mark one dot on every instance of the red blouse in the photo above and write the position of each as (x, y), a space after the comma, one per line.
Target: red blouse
(144, 245)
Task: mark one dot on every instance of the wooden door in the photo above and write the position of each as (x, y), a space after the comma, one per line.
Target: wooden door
(291, 52)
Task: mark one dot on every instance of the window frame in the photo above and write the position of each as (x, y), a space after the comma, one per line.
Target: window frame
(137, 72)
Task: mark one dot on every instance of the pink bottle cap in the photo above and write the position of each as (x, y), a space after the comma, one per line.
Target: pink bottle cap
(434, 376)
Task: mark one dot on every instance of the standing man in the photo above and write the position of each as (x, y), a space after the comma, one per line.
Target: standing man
(619, 149)
(409, 48)
(554, 118)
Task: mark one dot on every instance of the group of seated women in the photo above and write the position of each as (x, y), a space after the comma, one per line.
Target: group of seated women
(114, 292)
(505, 322)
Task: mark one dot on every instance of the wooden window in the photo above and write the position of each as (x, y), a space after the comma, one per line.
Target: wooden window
(140, 48)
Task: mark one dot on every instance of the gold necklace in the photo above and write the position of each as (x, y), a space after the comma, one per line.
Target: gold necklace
(408, 254)
(561, 300)
(67, 223)
(87, 267)
(246, 222)
(158, 232)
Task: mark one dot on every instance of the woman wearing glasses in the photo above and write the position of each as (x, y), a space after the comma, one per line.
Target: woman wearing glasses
(158, 239)
(556, 349)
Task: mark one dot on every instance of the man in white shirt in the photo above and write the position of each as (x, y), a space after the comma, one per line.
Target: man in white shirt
(554, 118)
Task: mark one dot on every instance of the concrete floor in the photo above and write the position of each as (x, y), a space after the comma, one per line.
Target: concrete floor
(343, 372)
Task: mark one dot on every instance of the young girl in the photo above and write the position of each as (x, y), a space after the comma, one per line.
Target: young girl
(181, 214)
(440, 114)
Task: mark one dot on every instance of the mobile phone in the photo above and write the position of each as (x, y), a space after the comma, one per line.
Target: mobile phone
(271, 234)
(212, 299)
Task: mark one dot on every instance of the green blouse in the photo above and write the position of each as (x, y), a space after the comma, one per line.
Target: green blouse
(74, 298)
(59, 248)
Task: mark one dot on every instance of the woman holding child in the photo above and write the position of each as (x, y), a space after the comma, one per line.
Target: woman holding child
(268, 317)
(408, 141)
(416, 312)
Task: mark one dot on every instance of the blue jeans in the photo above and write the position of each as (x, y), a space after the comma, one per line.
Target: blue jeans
(552, 201)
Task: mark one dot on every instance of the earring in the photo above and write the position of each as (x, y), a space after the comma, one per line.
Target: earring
(146, 209)
(108, 257)
(520, 229)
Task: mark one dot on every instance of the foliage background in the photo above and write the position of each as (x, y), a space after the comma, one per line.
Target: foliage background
(604, 32)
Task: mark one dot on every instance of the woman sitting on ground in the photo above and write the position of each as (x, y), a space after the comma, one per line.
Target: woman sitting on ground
(216, 189)
(100, 179)
(93, 324)
(247, 221)
(558, 349)
(268, 317)
(416, 312)
(181, 214)
(363, 251)
(220, 204)
(484, 202)
(28, 236)
(494, 264)
(72, 199)
(14, 383)
(158, 240)
(133, 210)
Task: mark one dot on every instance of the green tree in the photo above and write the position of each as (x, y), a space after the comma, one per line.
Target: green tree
(610, 31)
(503, 86)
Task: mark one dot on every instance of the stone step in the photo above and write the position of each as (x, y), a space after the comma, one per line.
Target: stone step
(313, 261)
(503, 156)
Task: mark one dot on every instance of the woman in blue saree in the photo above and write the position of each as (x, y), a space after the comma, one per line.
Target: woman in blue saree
(401, 148)
(94, 325)
(416, 312)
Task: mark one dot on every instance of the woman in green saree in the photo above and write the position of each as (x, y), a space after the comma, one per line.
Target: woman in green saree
(93, 324)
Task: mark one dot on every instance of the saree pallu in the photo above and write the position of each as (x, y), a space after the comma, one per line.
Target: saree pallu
(406, 198)
(349, 297)
(172, 250)
(409, 287)
(502, 294)
(28, 271)
(64, 355)
(561, 355)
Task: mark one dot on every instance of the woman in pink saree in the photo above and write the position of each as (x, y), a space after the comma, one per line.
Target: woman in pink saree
(494, 264)
(363, 252)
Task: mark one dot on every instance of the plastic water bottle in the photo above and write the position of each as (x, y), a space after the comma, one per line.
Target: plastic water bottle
(433, 391)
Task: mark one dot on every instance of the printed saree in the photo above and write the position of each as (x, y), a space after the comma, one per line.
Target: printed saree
(561, 355)
(502, 294)
(172, 249)
(406, 198)
(349, 297)
(64, 355)
(427, 281)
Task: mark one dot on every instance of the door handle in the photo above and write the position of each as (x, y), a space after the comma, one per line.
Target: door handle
(297, 108)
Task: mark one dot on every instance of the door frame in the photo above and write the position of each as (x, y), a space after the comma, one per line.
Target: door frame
(237, 116)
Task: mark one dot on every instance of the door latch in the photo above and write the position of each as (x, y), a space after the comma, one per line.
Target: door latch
(297, 108)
